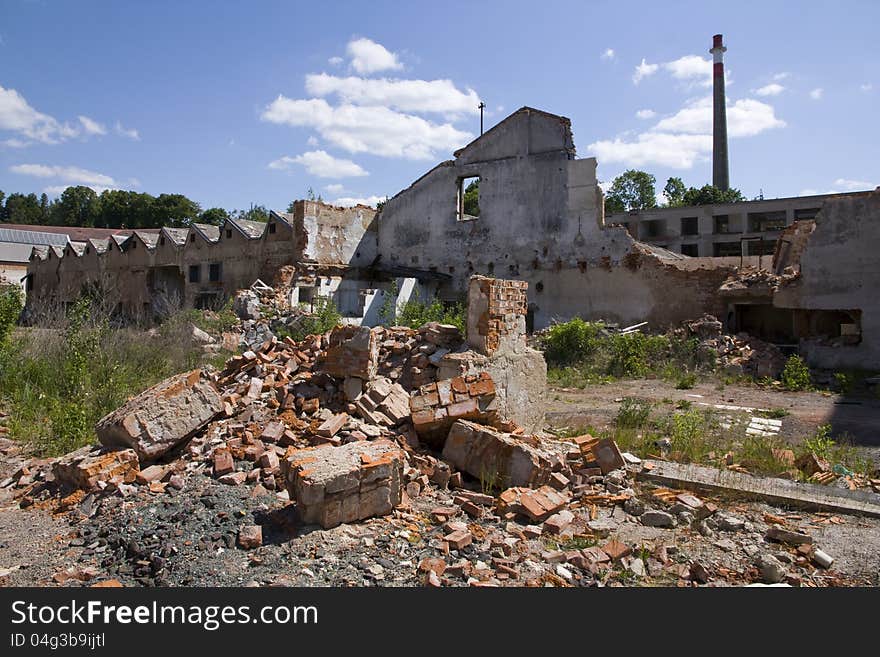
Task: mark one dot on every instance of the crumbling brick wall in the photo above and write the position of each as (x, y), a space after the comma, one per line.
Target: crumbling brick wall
(496, 314)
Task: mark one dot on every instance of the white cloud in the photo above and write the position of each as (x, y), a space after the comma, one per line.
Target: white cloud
(16, 115)
(852, 185)
(685, 138)
(131, 133)
(867, 86)
(350, 201)
(370, 57)
(312, 141)
(643, 70)
(378, 130)
(664, 149)
(14, 142)
(322, 165)
(72, 175)
(68, 176)
(646, 114)
(816, 94)
(772, 89)
(58, 190)
(439, 96)
(745, 118)
(334, 188)
(781, 76)
(91, 127)
(335, 61)
(608, 53)
(691, 67)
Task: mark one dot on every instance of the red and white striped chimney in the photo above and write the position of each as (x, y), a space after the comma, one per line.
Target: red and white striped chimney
(720, 173)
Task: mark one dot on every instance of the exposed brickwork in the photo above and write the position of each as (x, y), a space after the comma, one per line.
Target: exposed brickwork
(436, 406)
(333, 485)
(353, 351)
(496, 313)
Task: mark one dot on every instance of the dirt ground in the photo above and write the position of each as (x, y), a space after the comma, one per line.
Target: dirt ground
(597, 406)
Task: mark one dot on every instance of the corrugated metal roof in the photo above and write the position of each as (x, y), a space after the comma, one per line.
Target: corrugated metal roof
(20, 253)
(32, 237)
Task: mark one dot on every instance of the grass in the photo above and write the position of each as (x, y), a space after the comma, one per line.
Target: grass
(56, 383)
(417, 312)
(697, 436)
(577, 542)
(772, 413)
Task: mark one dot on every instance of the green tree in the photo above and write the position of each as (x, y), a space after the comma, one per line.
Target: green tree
(123, 209)
(174, 210)
(77, 206)
(215, 216)
(674, 192)
(291, 207)
(472, 199)
(2, 209)
(631, 190)
(23, 209)
(256, 213)
(709, 194)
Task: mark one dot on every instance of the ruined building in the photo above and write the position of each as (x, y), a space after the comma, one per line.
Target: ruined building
(516, 203)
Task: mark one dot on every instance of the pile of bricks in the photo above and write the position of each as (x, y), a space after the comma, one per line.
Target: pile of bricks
(436, 406)
(90, 467)
(496, 314)
(333, 485)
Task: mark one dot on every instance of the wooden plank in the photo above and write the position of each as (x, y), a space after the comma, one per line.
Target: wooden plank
(781, 491)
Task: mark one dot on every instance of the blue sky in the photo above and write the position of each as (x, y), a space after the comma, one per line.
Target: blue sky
(233, 103)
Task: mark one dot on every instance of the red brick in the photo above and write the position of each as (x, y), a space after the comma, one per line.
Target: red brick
(223, 463)
(459, 539)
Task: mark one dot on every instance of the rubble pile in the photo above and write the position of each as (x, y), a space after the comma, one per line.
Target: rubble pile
(755, 280)
(412, 480)
(739, 354)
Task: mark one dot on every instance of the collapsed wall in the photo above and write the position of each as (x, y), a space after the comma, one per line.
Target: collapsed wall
(539, 219)
(834, 304)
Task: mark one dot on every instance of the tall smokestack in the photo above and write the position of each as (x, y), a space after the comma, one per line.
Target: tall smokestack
(720, 174)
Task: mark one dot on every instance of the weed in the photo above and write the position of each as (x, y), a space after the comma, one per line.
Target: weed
(796, 374)
(845, 382)
(686, 381)
(10, 309)
(576, 542)
(633, 413)
(683, 404)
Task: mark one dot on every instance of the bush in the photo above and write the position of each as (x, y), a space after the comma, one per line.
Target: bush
(10, 309)
(324, 317)
(571, 342)
(686, 381)
(416, 313)
(796, 374)
(598, 354)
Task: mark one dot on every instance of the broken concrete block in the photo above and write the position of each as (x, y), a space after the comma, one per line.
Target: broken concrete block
(499, 459)
(150, 474)
(558, 522)
(787, 536)
(353, 351)
(233, 478)
(162, 417)
(607, 455)
(85, 467)
(333, 485)
(272, 432)
(352, 387)
(250, 537)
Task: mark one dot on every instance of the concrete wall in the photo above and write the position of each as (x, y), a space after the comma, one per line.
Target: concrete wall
(538, 206)
(840, 270)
